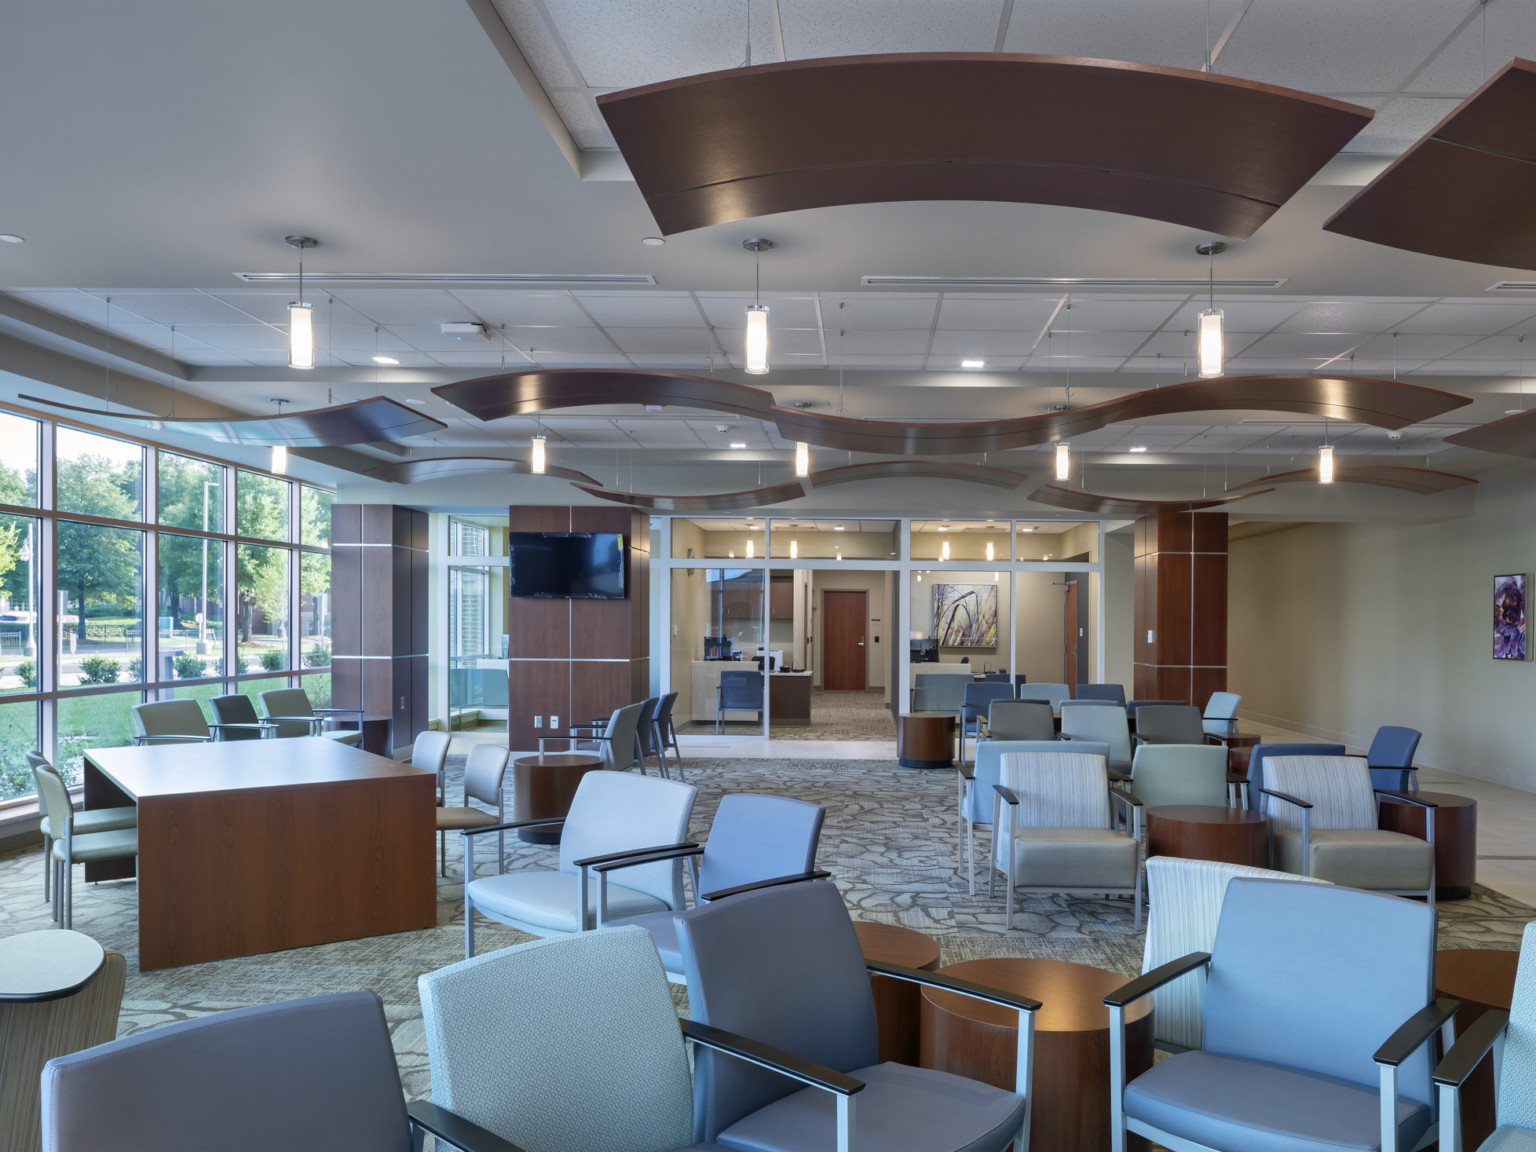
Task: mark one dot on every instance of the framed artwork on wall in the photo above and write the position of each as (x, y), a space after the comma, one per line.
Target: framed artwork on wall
(965, 615)
(1509, 617)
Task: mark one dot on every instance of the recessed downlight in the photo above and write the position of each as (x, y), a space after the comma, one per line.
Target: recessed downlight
(652, 241)
(737, 444)
(973, 363)
(385, 360)
(414, 400)
(11, 238)
(1137, 448)
(837, 528)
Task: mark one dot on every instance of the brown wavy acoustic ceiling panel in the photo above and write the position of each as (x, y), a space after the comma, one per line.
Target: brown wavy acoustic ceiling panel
(1466, 190)
(717, 502)
(374, 421)
(448, 467)
(539, 390)
(1512, 436)
(1079, 501)
(1420, 481)
(923, 469)
(1210, 152)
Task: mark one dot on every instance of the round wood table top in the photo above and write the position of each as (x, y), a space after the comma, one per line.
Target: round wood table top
(893, 944)
(1207, 814)
(1481, 975)
(1071, 995)
(950, 716)
(47, 965)
(559, 760)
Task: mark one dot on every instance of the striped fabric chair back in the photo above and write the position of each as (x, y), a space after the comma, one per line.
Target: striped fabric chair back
(1338, 787)
(1517, 1079)
(1058, 790)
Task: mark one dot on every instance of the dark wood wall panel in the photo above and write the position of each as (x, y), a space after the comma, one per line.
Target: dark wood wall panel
(1181, 602)
(537, 688)
(1208, 634)
(598, 687)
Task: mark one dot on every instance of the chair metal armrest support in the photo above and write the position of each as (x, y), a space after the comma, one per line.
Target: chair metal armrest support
(329, 711)
(1008, 794)
(722, 893)
(1409, 797)
(647, 856)
(952, 984)
(456, 1130)
(774, 1059)
(1130, 992)
(1468, 1052)
(1289, 799)
(1415, 1030)
(468, 832)
(139, 740)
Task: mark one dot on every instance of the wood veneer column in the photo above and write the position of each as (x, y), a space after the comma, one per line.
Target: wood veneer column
(1181, 606)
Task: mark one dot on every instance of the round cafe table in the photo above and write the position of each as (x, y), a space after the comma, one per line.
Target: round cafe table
(897, 1001)
(543, 788)
(1455, 837)
(1482, 979)
(47, 965)
(1209, 832)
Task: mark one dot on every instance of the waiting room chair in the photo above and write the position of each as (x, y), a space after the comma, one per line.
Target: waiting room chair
(1390, 757)
(738, 691)
(1260, 754)
(939, 692)
(1131, 707)
(70, 848)
(976, 794)
(784, 966)
(975, 707)
(1169, 724)
(1019, 720)
(611, 812)
(429, 752)
(1052, 694)
(1220, 716)
(294, 715)
(1115, 693)
(1091, 720)
(1058, 831)
(1164, 774)
(998, 678)
(313, 1073)
(237, 719)
(645, 735)
(169, 722)
(666, 732)
(1514, 1034)
(95, 820)
(617, 740)
(484, 771)
(1319, 1006)
(754, 838)
(1323, 822)
(1184, 899)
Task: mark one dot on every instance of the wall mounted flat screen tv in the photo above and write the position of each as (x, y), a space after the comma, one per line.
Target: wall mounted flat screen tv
(567, 565)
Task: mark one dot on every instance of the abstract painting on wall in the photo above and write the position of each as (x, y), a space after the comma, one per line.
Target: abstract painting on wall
(965, 615)
(1509, 617)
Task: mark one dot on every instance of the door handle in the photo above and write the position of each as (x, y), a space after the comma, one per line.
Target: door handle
(861, 641)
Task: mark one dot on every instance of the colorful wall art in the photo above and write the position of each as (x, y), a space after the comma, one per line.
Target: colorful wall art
(1508, 617)
(965, 615)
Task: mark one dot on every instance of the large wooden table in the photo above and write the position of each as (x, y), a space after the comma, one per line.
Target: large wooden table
(261, 845)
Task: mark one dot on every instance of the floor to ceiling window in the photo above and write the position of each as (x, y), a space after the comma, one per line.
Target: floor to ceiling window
(129, 572)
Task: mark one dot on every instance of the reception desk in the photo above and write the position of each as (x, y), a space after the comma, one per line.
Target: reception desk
(789, 693)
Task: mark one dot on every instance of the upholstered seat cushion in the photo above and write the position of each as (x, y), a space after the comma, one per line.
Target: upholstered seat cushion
(464, 818)
(99, 846)
(664, 933)
(343, 735)
(1227, 1102)
(1508, 1138)
(914, 1109)
(548, 899)
(1073, 858)
(1359, 858)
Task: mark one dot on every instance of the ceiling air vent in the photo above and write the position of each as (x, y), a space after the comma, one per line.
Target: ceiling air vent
(462, 279)
(1057, 282)
(1513, 286)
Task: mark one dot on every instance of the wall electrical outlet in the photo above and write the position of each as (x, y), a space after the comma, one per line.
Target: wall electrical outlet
(538, 721)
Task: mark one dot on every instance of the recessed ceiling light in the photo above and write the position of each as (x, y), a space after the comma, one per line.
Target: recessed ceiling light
(652, 241)
(1137, 448)
(385, 360)
(414, 400)
(737, 444)
(12, 238)
(943, 528)
(1026, 529)
(837, 528)
(973, 363)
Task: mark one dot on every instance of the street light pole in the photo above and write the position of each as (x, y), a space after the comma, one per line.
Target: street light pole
(202, 616)
(26, 554)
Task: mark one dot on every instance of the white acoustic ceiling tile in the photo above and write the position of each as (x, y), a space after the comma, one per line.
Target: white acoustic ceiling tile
(559, 339)
(915, 311)
(1308, 345)
(82, 306)
(856, 27)
(1177, 347)
(1499, 32)
(427, 338)
(664, 340)
(538, 42)
(579, 113)
(1480, 319)
(401, 305)
(1276, 365)
(980, 345)
(155, 336)
(1169, 367)
(682, 360)
(234, 337)
(1170, 32)
(1352, 315)
(1089, 315)
(662, 434)
(880, 341)
(1400, 123)
(504, 306)
(729, 309)
(581, 359)
(642, 309)
(367, 338)
(270, 307)
(624, 43)
(1244, 314)
(1059, 363)
(856, 360)
(1095, 343)
(470, 358)
(177, 307)
(1022, 314)
(408, 359)
(791, 342)
(1413, 346)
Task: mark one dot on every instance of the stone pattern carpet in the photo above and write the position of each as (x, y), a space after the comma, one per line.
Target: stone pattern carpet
(834, 716)
(889, 841)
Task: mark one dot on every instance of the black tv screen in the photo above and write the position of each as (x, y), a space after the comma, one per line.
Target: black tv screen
(567, 565)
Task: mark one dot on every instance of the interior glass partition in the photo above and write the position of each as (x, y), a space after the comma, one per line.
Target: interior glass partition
(719, 636)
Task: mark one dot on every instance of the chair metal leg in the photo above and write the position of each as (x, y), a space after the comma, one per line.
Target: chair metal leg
(970, 853)
(469, 904)
(442, 854)
(47, 867)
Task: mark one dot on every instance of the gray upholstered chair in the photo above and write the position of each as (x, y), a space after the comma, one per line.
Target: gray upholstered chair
(1261, 753)
(1169, 724)
(95, 820)
(1514, 1091)
(666, 732)
(169, 722)
(1184, 899)
(1101, 724)
(753, 839)
(314, 1073)
(1323, 822)
(484, 769)
(1220, 716)
(1058, 831)
(1319, 1006)
(237, 719)
(1052, 694)
(783, 965)
(645, 737)
(976, 706)
(1019, 720)
(1164, 774)
(1133, 706)
(429, 752)
(294, 715)
(69, 848)
(1114, 693)
(939, 691)
(616, 740)
(611, 812)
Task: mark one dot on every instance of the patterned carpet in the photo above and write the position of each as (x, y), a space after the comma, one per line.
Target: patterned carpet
(888, 840)
(834, 716)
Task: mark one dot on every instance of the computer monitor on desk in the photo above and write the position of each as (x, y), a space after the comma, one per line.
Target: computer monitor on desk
(717, 648)
(775, 658)
(925, 651)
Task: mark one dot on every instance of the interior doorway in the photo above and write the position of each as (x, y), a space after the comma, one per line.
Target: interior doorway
(1074, 626)
(844, 640)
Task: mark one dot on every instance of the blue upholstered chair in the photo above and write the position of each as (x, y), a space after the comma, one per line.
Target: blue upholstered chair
(1323, 822)
(1220, 715)
(1057, 832)
(1262, 752)
(1319, 1005)
(313, 1073)
(1514, 1090)
(976, 705)
(738, 691)
(784, 966)
(611, 812)
(1163, 774)
(1169, 724)
(754, 838)
(1102, 724)
(1391, 758)
(1114, 693)
(1052, 694)
(998, 678)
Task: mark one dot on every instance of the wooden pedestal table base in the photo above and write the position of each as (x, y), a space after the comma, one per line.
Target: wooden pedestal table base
(1455, 838)
(971, 1038)
(543, 787)
(926, 740)
(1209, 832)
(1482, 979)
(897, 1001)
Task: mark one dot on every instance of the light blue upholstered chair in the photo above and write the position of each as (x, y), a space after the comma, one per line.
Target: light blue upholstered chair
(976, 707)
(1323, 822)
(1052, 694)
(1319, 1008)
(977, 798)
(1262, 752)
(753, 839)
(1220, 716)
(784, 966)
(1094, 721)
(313, 1073)
(91, 820)
(611, 812)
(1163, 774)
(1391, 757)
(1514, 1093)
(1184, 899)
(1054, 829)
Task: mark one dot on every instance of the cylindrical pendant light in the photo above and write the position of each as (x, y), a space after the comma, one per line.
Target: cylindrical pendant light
(1063, 461)
(280, 459)
(944, 550)
(537, 460)
(756, 349)
(989, 550)
(1325, 464)
(1210, 344)
(794, 549)
(301, 315)
(751, 549)
(802, 459)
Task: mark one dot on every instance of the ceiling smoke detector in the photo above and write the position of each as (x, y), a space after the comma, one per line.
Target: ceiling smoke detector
(465, 330)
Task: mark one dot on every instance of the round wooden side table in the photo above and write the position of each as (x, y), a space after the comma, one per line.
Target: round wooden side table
(543, 787)
(897, 1001)
(926, 740)
(1071, 1081)
(47, 965)
(1209, 832)
(1455, 837)
(1482, 979)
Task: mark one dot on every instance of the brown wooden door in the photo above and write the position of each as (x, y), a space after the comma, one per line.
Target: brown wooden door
(1069, 636)
(844, 622)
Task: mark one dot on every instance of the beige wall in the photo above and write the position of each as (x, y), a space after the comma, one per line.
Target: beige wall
(876, 656)
(1336, 629)
(1119, 609)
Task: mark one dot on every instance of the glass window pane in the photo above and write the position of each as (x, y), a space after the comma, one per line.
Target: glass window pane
(315, 516)
(101, 613)
(719, 538)
(202, 693)
(315, 609)
(1058, 540)
(98, 475)
(19, 573)
(318, 687)
(254, 689)
(261, 507)
(100, 721)
(190, 607)
(467, 539)
(18, 736)
(261, 582)
(805, 538)
(18, 461)
(960, 540)
(189, 493)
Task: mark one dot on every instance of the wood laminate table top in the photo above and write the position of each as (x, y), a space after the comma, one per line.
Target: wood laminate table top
(1071, 995)
(47, 965)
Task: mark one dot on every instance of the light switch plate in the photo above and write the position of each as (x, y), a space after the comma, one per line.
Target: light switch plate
(538, 721)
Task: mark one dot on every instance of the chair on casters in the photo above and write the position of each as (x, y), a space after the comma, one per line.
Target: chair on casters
(617, 740)
(169, 722)
(666, 733)
(237, 719)
(291, 711)
(1391, 754)
(95, 820)
(70, 849)
(738, 691)
(484, 770)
